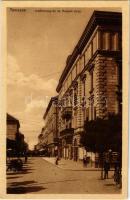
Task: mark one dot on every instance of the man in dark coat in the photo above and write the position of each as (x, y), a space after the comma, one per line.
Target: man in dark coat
(106, 169)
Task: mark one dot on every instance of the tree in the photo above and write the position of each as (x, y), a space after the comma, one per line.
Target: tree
(21, 145)
(103, 134)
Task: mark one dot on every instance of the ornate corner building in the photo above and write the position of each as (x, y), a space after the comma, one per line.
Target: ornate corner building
(91, 83)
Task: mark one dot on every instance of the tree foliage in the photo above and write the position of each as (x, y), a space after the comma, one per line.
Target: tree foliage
(103, 134)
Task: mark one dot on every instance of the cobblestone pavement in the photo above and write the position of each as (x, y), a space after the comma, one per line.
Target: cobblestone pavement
(42, 177)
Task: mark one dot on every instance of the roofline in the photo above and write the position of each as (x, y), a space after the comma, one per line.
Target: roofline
(97, 18)
(12, 119)
(49, 105)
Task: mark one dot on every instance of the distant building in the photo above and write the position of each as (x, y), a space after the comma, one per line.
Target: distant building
(90, 86)
(40, 145)
(13, 126)
(50, 131)
(15, 139)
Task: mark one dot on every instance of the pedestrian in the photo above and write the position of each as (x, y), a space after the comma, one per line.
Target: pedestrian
(84, 160)
(117, 166)
(106, 169)
(26, 158)
(57, 159)
(117, 170)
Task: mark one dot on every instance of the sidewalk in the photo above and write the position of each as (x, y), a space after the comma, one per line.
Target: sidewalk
(70, 165)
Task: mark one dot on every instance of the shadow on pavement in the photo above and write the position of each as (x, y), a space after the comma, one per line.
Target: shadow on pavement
(24, 187)
(19, 172)
(25, 170)
(22, 183)
(24, 190)
(12, 177)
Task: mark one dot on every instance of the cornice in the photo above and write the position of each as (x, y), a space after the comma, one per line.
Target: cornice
(101, 18)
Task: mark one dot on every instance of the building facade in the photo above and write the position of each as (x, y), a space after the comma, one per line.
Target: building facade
(40, 145)
(90, 86)
(50, 131)
(15, 139)
(13, 126)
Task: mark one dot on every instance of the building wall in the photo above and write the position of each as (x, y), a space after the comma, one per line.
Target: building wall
(11, 131)
(50, 129)
(92, 81)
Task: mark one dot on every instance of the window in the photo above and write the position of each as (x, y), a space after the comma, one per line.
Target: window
(99, 42)
(84, 88)
(88, 53)
(107, 46)
(65, 86)
(82, 63)
(91, 81)
(87, 114)
(74, 73)
(114, 41)
(91, 46)
(75, 98)
(103, 40)
(119, 41)
(94, 112)
(69, 80)
(86, 57)
(78, 67)
(71, 99)
(70, 125)
(94, 43)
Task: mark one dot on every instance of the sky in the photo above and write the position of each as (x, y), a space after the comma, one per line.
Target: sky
(38, 44)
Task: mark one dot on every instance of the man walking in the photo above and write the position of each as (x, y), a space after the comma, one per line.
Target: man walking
(106, 169)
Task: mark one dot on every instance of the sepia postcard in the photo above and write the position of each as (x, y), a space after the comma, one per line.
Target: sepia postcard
(64, 100)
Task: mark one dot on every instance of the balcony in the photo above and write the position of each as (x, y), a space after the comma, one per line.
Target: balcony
(56, 140)
(67, 113)
(67, 132)
(67, 135)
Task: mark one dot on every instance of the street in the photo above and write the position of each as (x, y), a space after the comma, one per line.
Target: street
(41, 177)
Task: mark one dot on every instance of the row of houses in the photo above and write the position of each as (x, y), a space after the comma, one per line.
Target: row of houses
(90, 86)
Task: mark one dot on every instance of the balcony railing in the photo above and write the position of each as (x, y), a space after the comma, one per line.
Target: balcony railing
(67, 132)
(67, 112)
(56, 140)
